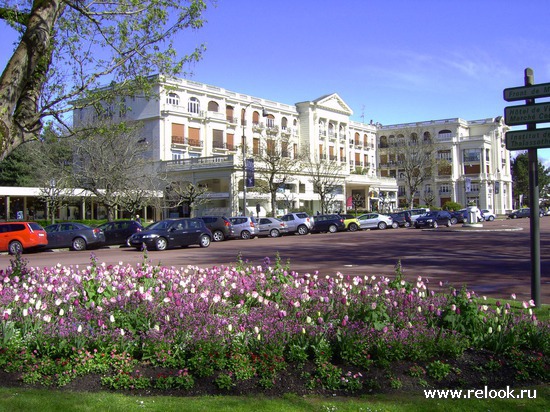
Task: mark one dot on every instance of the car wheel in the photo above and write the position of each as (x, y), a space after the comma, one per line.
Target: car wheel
(274, 233)
(514, 217)
(332, 229)
(395, 225)
(15, 248)
(79, 244)
(353, 227)
(407, 224)
(302, 230)
(435, 225)
(245, 234)
(491, 218)
(448, 223)
(218, 236)
(454, 221)
(161, 243)
(204, 241)
(128, 241)
(382, 225)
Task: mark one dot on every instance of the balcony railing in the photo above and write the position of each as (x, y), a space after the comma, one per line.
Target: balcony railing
(199, 162)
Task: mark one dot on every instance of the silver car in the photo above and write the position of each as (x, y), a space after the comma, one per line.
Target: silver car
(271, 226)
(245, 227)
(375, 221)
(299, 222)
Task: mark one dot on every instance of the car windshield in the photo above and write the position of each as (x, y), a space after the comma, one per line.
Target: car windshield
(163, 224)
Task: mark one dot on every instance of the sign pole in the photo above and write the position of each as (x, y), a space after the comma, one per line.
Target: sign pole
(534, 221)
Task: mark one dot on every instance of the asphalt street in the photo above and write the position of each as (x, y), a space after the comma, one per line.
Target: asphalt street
(494, 260)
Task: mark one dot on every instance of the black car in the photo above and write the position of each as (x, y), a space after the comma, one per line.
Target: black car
(458, 216)
(328, 223)
(75, 236)
(220, 226)
(171, 233)
(119, 232)
(402, 219)
(517, 214)
(434, 219)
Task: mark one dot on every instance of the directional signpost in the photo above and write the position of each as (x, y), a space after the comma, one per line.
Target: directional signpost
(531, 139)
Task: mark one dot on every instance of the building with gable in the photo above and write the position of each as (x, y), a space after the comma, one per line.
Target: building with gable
(202, 134)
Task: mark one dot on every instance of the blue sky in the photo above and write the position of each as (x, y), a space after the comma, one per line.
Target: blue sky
(392, 61)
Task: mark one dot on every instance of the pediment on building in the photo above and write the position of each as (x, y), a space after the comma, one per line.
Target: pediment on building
(333, 102)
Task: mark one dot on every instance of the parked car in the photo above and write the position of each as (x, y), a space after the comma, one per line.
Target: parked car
(271, 226)
(416, 213)
(488, 215)
(433, 219)
(220, 226)
(75, 236)
(170, 233)
(245, 227)
(119, 231)
(16, 237)
(458, 216)
(519, 213)
(351, 222)
(299, 222)
(375, 221)
(400, 219)
(328, 223)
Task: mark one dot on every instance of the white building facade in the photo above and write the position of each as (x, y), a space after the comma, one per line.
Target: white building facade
(201, 133)
(477, 163)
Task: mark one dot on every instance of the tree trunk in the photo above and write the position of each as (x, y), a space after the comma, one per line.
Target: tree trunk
(25, 73)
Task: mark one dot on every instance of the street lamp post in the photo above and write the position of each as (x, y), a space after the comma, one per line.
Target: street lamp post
(243, 120)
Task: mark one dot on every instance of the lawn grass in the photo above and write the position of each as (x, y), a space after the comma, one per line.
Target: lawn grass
(45, 400)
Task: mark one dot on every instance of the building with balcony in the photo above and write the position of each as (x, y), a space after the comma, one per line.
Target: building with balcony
(202, 134)
(473, 163)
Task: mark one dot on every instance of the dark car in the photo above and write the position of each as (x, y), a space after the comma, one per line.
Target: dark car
(458, 216)
(171, 233)
(517, 214)
(328, 223)
(220, 226)
(76, 236)
(434, 219)
(119, 232)
(401, 219)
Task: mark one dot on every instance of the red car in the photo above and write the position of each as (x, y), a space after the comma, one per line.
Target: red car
(18, 236)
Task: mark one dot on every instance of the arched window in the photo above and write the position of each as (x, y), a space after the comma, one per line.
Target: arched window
(229, 113)
(173, 98)
(284, 123)
(270, 120)
(213, 106)
(193, 105)
(427, 137)
(255, 118)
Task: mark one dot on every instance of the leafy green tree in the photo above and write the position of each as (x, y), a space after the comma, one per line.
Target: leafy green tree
(68, 49)
(520, 177)
(16, 169)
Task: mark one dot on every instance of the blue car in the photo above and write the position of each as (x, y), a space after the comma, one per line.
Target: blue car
(328, 223)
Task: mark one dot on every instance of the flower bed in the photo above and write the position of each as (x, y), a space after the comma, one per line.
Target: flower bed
(229, 325)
